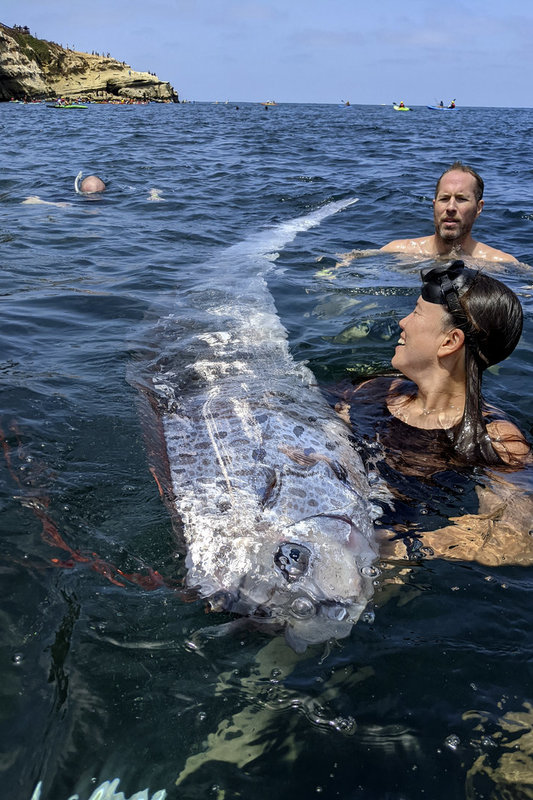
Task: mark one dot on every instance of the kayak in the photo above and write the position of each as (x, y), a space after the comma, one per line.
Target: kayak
(401, 108)
(442, 108)
(66, 105)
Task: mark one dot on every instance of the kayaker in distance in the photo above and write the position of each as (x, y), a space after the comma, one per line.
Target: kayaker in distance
(457, 204)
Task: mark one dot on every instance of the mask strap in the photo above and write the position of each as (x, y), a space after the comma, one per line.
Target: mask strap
(449, 294)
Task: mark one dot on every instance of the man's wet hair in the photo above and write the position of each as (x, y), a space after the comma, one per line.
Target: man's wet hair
(458, 165)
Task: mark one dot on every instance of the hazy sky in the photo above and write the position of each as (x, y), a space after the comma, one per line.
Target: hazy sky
(419, 51)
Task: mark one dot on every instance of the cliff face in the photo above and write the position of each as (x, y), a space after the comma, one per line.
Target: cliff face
(19, 76)
(35, 68)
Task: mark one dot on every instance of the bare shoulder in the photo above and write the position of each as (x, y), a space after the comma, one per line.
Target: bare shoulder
(35, 200)
(509, 442)
(371, 390)
(423, 244)
(483, 251)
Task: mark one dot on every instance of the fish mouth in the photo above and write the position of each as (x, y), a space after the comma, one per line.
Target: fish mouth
(319, 623)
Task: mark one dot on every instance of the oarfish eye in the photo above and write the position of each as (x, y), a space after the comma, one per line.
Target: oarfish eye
(293, 560)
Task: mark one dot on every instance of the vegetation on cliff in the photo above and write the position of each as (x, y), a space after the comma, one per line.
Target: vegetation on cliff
(38, 50)
(36, 68)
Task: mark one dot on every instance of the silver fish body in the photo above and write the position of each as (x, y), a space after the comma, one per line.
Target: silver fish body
(275, 506)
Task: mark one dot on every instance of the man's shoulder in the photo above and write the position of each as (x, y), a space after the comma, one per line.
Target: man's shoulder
(487, 253)
(422, 244)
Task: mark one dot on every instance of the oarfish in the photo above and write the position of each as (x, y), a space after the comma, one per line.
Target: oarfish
(272, 499)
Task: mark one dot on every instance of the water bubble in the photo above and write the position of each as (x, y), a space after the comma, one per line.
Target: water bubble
(370, 571)
(369, 617)
(202, 715)
(17, 658)
(302, 607)
(452, 741)
(488, 741)
(345, 725)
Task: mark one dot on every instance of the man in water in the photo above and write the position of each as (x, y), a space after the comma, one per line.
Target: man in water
(457, 204)
(92, 184)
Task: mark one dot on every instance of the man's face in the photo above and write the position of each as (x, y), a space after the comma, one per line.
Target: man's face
(455, 208)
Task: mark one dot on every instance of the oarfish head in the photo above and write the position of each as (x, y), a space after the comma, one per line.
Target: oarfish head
(314, 583)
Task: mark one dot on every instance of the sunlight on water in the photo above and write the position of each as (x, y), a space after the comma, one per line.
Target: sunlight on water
(113, 667)
(109, 791)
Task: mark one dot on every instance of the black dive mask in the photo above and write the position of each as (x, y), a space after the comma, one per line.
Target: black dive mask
(445, 284)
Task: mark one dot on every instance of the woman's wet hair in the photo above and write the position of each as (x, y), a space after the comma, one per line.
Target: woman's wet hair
(491, 318)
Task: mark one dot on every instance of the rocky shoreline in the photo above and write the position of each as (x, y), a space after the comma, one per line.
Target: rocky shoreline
(35, 69)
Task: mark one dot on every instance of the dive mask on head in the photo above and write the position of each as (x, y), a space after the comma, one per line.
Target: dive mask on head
(445, 284)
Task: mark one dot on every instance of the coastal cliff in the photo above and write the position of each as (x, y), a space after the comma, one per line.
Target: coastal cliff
(37, 69)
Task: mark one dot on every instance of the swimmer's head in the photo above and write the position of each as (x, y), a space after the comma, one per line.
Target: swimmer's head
(92, 184)
(490, 316)
(485, 309)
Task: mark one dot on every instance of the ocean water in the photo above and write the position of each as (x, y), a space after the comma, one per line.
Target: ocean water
(106, 679)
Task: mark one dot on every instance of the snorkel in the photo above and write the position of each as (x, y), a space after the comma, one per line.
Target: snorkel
(77, 181)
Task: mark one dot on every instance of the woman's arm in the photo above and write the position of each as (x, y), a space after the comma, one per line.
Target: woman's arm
(500, 534)
(509, 443)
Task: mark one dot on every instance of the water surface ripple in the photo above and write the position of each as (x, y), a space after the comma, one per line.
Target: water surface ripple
(104, 681)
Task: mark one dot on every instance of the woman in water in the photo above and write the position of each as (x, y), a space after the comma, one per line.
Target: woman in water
(432, 426)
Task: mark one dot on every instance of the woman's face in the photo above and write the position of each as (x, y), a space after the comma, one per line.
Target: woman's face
(422, 333)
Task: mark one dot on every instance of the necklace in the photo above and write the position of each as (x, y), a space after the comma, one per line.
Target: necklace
(427, 411)
(404, 413)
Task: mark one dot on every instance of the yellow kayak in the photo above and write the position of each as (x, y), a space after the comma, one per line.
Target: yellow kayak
(401, 108)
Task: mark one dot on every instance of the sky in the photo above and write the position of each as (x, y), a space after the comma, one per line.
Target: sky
(306, 51)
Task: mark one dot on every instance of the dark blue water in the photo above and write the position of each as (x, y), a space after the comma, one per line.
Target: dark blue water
(101, 679)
